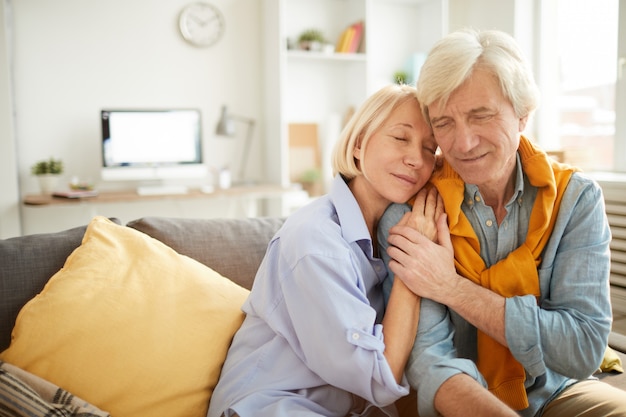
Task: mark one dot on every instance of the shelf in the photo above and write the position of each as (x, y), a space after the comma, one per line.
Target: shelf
(254, 191)
(322, 87)
(47, 214)
(335, 56)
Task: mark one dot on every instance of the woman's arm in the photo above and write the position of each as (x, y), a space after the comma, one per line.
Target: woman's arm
(402, 314)
(399, 327)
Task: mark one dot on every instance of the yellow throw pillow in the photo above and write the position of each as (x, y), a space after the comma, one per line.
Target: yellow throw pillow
(130, 325)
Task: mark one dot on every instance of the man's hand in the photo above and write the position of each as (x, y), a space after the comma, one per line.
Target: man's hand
(427, 268)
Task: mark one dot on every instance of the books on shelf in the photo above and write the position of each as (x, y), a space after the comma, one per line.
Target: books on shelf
(75, 193)
(350, 39)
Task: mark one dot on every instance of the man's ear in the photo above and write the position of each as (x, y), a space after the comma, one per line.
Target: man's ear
(522, 123)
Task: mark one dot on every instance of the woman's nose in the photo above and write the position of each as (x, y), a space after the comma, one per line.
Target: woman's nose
(414, 157)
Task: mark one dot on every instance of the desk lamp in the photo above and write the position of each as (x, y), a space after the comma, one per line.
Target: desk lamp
(226, 127)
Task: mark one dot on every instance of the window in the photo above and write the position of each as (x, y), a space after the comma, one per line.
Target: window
(577, 77)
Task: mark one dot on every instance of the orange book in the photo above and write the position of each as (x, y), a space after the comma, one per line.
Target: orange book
(347, 41)
(341, 41)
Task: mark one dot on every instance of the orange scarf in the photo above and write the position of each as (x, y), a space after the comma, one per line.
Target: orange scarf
(517, 273)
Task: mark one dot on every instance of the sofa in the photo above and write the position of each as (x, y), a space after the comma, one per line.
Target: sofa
(135, 320)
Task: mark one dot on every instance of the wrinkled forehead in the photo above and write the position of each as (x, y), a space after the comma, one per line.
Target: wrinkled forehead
(480, 88)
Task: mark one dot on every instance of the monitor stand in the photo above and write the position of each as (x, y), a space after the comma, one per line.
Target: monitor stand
(162, 189)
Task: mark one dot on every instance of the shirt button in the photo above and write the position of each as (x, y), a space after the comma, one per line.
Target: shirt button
(355, 336)
(488, 223)
(477, 198)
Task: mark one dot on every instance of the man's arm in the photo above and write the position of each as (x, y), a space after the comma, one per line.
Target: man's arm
(567, 330)
(462, 396)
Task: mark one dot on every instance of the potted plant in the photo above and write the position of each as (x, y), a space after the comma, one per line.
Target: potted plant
(401, 77)
(311, 181)
(311, 40)
(47, 172)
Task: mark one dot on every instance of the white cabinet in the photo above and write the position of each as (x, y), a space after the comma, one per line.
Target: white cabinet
(321, 87)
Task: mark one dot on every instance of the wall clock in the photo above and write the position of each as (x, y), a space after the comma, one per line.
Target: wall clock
(201, 24)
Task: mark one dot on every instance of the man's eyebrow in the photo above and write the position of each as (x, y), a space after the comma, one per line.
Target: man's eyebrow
(437, 119)
(482, 109)
(477, 110)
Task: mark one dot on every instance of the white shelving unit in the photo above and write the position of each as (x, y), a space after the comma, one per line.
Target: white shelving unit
(320, 88)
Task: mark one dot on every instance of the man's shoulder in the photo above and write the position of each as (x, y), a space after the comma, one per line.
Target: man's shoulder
(582, 195)
(392, 215)
(581, 181)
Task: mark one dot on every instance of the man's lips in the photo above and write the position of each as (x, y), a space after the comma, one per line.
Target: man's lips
(471, 158)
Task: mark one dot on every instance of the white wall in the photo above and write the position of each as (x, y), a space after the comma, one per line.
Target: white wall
(483, 14)
(9, 197)
(75, 57)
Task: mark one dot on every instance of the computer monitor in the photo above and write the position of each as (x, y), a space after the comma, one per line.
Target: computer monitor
(144, 144)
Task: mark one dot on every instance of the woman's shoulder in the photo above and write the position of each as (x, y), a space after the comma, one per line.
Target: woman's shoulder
(317, 217)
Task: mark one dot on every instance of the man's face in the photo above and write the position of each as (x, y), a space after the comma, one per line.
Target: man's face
(478, 131)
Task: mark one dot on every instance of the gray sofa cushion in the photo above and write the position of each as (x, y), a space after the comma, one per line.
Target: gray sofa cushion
(26, 264)
(232, 247)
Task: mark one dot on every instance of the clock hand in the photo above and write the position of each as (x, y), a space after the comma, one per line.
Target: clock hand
(197, 19)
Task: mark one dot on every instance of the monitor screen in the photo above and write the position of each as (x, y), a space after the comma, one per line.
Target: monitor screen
(151, 144)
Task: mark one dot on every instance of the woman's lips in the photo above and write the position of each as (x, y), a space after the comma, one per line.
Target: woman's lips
(406, 178)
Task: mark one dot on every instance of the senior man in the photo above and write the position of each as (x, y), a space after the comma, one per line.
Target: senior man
(516, 313)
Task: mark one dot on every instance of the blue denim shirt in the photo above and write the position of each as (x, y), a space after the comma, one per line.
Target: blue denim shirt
(312, 338)
(559, 339)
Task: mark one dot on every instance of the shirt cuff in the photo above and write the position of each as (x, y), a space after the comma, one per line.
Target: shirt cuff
(522, 333)
(436, 377)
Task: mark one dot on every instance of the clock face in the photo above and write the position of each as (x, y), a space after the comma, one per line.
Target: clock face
(201, 24)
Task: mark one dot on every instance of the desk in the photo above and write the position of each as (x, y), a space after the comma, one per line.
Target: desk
(44, 213)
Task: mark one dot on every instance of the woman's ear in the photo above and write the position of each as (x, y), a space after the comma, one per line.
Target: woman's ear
(356, 152)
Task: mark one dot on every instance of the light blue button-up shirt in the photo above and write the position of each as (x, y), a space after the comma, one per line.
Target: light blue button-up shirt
(312, 338)
(559, 339)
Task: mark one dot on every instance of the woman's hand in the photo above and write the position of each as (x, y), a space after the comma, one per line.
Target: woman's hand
(427, 208)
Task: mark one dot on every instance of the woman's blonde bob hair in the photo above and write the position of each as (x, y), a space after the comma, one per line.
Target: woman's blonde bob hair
(453, 58)
(362, 125)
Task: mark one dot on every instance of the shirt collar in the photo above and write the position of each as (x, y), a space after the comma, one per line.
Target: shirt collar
(472, 194)
(348, 211)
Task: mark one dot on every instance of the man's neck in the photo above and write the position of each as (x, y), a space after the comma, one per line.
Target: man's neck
(496, 194)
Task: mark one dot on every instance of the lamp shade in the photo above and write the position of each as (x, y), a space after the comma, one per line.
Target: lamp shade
(225, 125)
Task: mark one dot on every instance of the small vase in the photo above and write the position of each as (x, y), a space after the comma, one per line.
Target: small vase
(48, 183)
